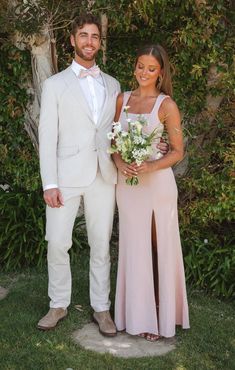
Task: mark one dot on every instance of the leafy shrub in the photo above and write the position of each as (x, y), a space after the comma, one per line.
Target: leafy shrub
(18, 160)
(210, 265)
(22, 230)
(207, 210)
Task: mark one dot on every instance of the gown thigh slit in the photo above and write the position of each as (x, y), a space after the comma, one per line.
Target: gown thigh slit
(148, 211)
(155, 262)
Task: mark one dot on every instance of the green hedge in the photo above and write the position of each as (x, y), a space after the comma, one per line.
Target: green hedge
(22, 230)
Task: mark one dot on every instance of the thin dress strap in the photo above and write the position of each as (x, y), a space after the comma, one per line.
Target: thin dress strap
(158, 103)
(126, 96)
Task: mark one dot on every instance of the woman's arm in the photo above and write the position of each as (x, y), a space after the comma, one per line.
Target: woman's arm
(119, 103)
(170, 115)
(127, 169)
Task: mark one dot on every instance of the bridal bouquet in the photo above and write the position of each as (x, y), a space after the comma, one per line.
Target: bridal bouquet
(133, 145)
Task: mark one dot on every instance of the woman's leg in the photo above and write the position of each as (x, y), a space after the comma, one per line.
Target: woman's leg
(149, 336)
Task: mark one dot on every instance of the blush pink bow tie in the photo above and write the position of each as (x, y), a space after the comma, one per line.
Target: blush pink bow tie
(94, 72)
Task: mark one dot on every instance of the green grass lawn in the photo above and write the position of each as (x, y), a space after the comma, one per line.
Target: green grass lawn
(209, 344)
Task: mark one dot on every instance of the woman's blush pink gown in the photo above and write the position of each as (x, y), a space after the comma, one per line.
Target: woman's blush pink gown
(156, 193)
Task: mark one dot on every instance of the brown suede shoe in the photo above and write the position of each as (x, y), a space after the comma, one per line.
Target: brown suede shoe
(52, 318)
(105, 323)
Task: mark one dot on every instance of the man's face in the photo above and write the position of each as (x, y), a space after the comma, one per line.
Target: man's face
(86, 42)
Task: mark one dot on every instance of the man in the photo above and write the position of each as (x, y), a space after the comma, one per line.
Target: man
(77, 110)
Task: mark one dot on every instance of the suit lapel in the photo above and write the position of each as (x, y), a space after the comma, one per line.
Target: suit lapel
(107, 94)
(72, 81)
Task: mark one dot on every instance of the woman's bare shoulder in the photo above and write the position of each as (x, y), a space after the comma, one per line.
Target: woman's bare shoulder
(169, 105)
(168, 110)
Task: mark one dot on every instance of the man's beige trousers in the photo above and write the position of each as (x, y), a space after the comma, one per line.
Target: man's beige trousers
(99, 203)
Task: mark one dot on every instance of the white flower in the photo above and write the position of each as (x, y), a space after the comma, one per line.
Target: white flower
(205, 241)
(110, 135)
(139, 140)
(118, 142)
(128, 120)
(114, 124)
(137, 125)
(117, 127)
(124, 133)
(140, 154)
(125, 108)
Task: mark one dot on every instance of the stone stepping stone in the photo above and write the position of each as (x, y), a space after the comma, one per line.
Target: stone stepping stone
(123, 345)
(3, 293)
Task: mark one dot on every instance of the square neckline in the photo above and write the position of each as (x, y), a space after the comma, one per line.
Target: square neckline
(141, 114)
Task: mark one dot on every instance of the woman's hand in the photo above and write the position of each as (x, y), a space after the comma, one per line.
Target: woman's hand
(127, 169)
(146, 167)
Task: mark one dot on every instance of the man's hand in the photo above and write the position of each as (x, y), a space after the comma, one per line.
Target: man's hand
(163, 147)
(53, 198)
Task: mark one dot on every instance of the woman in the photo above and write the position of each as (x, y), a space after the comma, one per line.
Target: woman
(151, 294)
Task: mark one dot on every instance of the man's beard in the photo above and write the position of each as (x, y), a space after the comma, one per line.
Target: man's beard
(81, 55)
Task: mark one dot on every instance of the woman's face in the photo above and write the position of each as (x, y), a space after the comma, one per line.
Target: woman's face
(147, 70)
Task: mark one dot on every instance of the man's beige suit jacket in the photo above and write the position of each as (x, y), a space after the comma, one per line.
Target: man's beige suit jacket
(71, 145)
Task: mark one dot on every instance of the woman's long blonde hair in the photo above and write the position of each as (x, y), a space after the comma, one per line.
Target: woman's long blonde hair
(159, 53)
